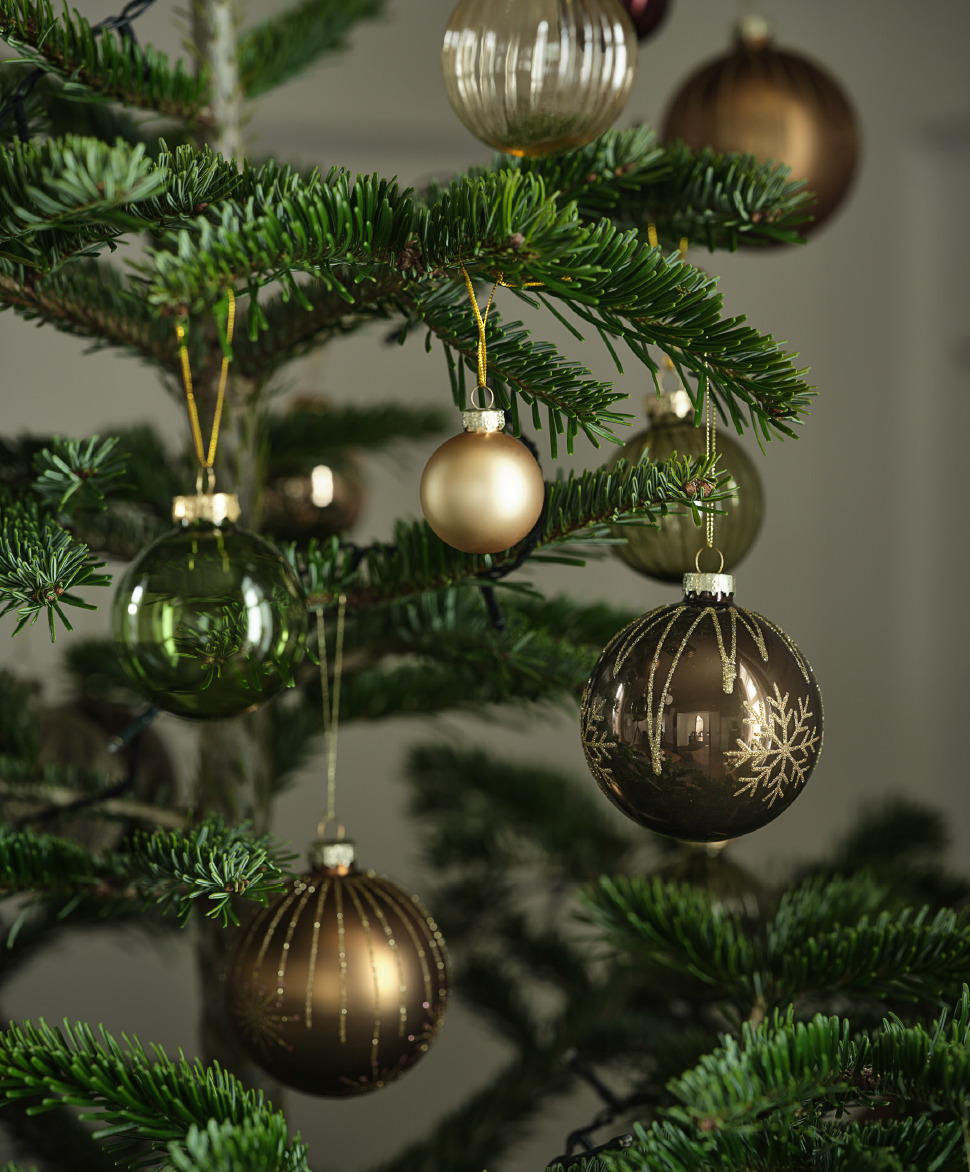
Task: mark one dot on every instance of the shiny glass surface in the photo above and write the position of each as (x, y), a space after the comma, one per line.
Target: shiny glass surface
(209, 621)
(666, 551)
(531, 77)
(702, 721)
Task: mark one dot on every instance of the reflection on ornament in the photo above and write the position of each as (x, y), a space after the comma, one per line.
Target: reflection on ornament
(482, 491)
(210, 620)
(776, 105)
(646, 15)
(340, 985)
(666, 551)
(701, 720)
(530, 77)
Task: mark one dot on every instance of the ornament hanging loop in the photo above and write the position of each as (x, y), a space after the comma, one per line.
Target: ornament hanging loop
(330, 705)
(697, 560)
(480, 320)
(483, 406)
(206, 458)
(210, 482)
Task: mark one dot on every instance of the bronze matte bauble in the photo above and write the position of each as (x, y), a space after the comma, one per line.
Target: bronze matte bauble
(666, 551)
(702, 721)
(482, 491)
(773, 104)
(320, 503)
(339, 986)
(530, 77)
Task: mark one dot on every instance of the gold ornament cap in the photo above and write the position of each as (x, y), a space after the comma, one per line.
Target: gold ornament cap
(720, 586)
(338, 856)
(481, 420)
(215, 507)
(669, 406)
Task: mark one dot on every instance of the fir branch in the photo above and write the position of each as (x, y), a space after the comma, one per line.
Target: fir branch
(134, 1098)
(680, 927)
(78, 473)
(580, 510)
(40, 566)
(212, 862)
(102, 65)
(249, 1146)
(288, 43)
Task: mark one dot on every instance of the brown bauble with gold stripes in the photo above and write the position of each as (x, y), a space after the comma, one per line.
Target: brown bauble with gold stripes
(340, 985)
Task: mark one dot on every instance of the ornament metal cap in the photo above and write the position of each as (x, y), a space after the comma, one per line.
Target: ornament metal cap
(337, 855)
(718, 585)
(481, 420)
(753, 31)
(216, 507)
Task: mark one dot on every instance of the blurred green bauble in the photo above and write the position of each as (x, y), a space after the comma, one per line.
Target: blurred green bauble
(667, 551)
(210, 621)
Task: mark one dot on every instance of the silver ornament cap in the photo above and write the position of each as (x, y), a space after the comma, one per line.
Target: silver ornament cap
(669, 405)
(482, 420)
(719, 586)
(339, 855)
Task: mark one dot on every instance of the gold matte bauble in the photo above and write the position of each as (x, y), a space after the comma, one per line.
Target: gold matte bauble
(530, 77)
(666, 551)
(339, 986)
(701, 720)
(482, 491)
(776, 105)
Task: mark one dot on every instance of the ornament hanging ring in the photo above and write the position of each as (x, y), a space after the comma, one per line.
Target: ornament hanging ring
(491, 398)
(697, 559)
(210, 481)
(327, 822)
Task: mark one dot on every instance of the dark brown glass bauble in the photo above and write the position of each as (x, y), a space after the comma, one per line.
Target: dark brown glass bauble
(320, 503)
(340, 985)
(646, 15)
(702, 721)
(779, 106)
(666, 551)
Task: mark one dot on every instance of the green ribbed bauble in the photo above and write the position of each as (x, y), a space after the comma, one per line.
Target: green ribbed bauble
(666, 551)
(210, 620)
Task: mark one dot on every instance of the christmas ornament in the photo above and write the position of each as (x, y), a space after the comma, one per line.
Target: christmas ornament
(776, 105)
(701, 720)
(732, 889)
(340, 985)
(666, 551)
(210, 620)
(320, 503)
(482, 491)
(646, 15)
(530, 77)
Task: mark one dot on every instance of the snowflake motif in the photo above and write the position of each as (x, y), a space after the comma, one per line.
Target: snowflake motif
(596, 742)
(257, 1014)
(780, 753)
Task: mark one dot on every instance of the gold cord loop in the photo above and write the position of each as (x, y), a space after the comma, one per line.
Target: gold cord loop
(206, 460)
(331, 711)
(711, 450)
(480, 319)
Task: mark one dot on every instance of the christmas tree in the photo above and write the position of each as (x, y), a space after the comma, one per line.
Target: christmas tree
(718, 1023)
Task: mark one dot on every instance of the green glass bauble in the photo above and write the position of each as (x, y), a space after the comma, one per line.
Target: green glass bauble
(667, 551)
(209, 621)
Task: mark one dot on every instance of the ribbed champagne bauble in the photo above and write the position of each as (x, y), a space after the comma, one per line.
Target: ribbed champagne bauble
(482, 491)
(210, 620)
(530, 77)
(701, 720)
(340, 985)
(776, 105)
(666, 551)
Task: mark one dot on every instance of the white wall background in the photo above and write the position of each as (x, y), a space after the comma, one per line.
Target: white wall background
(863, 553)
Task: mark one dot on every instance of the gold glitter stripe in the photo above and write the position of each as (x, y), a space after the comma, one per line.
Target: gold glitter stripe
(392, 894)
(285, 950)
(285, 905)
(341, 956)
(392, 944)
(375, 977)
(655, 724)
(641, 627)
(308, 1003)
(803, 665)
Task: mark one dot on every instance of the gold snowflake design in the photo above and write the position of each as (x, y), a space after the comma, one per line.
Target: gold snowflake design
(257, 1014)
(596, 741)
(779, 756)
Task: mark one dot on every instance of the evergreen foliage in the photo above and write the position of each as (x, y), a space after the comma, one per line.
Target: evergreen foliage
(822, 1025)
